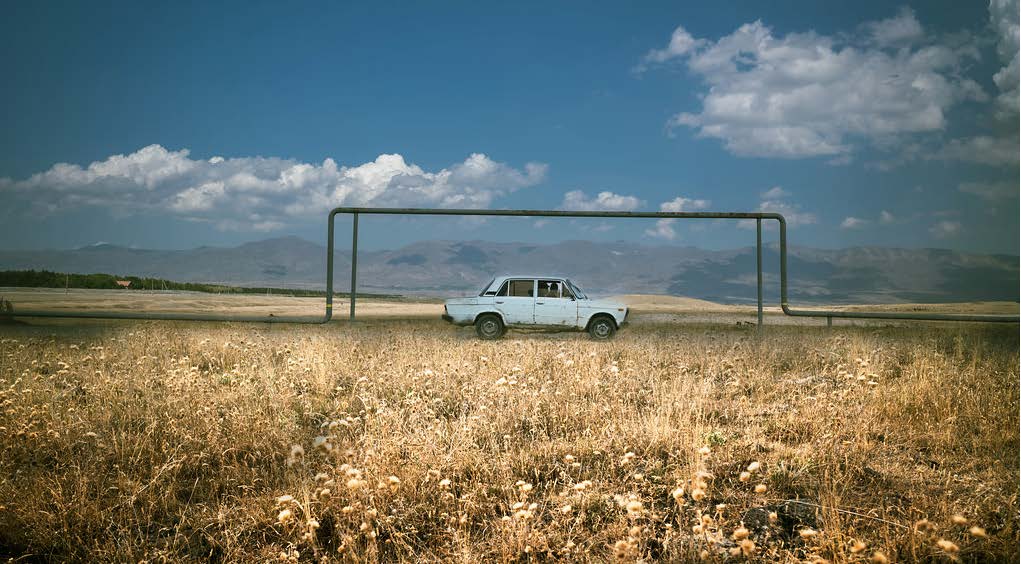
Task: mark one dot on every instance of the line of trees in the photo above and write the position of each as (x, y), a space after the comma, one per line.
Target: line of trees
(100, 281)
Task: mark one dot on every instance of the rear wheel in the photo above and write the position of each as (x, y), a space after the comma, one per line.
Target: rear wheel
(489, 326)
(602, 328)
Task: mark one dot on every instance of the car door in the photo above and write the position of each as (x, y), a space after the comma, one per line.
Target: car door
(516, 301)
(554, 304)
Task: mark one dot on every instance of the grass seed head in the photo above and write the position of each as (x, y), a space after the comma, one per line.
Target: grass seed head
(947, 546)
(977, 532)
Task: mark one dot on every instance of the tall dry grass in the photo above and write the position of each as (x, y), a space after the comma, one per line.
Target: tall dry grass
(413, 441)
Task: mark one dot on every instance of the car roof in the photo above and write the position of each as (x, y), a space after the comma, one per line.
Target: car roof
(528, 276)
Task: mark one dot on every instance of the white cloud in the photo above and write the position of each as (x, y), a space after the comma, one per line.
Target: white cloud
(945, 229)
(664, 228)
(901, 29)
(992, 191)
(775, 193)
(681, 204)
(262, 194)
(681, 43)
(853, 223)
(577, 200)
(1003, 15)
(805, 94)
(772, 202)
(886, 217)
(982, 149)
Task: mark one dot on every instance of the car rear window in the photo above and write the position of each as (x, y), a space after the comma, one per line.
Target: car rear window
(521, 288)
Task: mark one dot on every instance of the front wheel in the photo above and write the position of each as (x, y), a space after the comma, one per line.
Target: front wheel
(602, 328)
(489, 326)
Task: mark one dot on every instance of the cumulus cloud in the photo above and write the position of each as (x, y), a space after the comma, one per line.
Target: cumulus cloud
(853, 223)
(991, 191)
(981, 149)
(775, 193)
(775, 200)
(806, 94)
(886, 218)
(1003, 15)
(577, 200)
(262, 193)
(945, 229)
(664, 228)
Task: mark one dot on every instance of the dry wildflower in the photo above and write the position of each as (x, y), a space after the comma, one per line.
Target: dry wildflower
(322, 443)
(583, 485)
(924, 525)
(621, 549)
(297, 452)
(760, 488)
(634, 508)
(628, 457)
(355, 484)
(698, 494)
(394, 482)
(947, 546)
(707, 521)
(445, 483)
(678, 494)
(704, 555)
(754, 466)
(313, 524)
(284, 516)
(857, 546)
(568, 458)
(977, 532)
(285, 499)
(747, 547)
(524, 487)
(740, 533)
(325, 493)
(808, 533)
(745, 476)
(959, 519)
(566, 509)
(879, 558)
(705, 451)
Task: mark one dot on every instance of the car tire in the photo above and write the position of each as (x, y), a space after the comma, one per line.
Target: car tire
(602, 328)
(489, 326)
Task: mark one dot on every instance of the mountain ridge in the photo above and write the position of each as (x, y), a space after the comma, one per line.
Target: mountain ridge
(868, 274)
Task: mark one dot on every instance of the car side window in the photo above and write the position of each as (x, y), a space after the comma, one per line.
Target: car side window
(549, 288)
(521, 288)
(565, 292)
(503, 289)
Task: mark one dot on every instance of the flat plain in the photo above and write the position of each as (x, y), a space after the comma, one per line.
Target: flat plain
(401, 438)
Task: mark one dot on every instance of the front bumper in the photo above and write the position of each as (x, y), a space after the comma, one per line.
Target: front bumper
(447, 318)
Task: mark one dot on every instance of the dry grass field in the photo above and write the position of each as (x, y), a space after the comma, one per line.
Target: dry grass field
(408, 440)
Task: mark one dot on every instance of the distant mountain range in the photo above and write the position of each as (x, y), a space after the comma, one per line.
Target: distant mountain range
(852, 275)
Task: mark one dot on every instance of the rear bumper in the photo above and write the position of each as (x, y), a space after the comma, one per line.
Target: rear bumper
(447, 318)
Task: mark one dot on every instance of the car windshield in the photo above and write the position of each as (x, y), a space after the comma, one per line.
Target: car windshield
(486, 287)
(577, 291)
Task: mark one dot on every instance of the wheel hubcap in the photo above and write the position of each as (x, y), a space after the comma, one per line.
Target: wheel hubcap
(602, 329)
(489, 327)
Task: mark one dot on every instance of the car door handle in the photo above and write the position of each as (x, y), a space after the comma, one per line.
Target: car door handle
(539, 303)
(499, 301)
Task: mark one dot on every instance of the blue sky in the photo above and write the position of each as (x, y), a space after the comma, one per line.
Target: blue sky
(178, 125)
